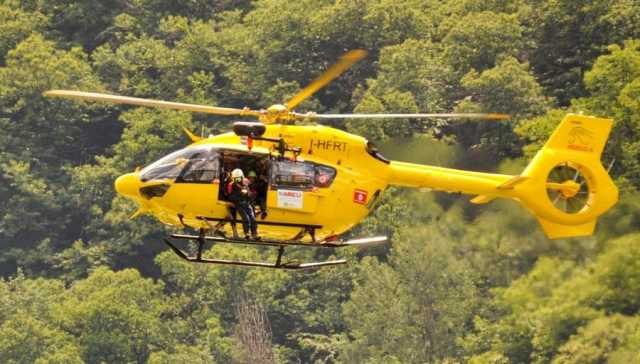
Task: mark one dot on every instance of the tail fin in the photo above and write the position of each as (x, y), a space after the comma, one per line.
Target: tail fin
(566, 186)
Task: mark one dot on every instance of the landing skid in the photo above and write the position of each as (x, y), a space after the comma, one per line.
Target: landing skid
(201, 239)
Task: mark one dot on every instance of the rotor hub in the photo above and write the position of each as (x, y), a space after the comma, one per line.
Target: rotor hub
(275, 113)
(569, 189)
(277, 109)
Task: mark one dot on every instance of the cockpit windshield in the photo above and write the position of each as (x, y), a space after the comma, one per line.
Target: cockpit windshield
(192, 164)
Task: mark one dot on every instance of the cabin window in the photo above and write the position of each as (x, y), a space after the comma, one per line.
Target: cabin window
(324, 176)
(292, 174)
(301, 175)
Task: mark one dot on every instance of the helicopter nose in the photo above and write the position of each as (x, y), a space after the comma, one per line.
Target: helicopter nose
(127, 185)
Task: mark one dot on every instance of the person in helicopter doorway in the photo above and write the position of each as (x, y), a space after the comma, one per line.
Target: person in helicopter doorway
(239, 194)
(258, 191)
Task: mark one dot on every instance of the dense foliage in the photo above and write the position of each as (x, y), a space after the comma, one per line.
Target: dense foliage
(83, 283)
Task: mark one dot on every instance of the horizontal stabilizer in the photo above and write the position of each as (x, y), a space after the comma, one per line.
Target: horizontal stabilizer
(512, 182)
(482, 199)
(194, 138)
(141, 210)
(559, 231)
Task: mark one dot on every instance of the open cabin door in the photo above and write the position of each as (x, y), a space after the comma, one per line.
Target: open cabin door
(254, 167)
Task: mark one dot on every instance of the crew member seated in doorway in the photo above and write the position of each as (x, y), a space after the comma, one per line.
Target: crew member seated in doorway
(258, 190)
(238, 194)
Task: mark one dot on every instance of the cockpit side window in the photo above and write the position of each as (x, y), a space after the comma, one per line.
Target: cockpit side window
(173, 165)
(202, 168)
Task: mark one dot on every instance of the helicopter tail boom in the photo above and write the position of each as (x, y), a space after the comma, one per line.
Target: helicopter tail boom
(565, 186)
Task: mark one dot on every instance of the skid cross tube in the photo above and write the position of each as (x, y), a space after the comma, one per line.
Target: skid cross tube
(259, 222)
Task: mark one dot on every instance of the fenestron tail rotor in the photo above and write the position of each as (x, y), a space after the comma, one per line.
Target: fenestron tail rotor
(275, 113)
(567, 188)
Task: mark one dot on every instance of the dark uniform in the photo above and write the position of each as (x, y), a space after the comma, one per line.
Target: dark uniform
(259, 194)
(238, 194)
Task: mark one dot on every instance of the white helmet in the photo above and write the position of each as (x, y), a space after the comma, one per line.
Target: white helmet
(237, 173)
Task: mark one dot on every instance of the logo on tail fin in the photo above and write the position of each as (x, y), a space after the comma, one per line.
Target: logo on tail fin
(580, 138)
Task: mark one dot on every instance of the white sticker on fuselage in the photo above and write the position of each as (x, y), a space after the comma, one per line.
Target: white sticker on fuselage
(290, 199)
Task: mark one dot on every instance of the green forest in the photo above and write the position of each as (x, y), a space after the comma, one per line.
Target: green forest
(458, 283)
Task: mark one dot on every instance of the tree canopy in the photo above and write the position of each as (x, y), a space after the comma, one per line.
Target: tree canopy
(81, 282)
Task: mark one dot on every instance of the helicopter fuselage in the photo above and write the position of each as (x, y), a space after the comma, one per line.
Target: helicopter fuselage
(328, 180)
(330, 185)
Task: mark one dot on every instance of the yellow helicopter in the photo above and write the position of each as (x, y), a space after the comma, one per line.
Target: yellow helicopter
(321, 182)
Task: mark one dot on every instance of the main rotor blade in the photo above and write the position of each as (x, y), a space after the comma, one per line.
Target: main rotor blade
(116, 99)
(484, 116)
(346, 61)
